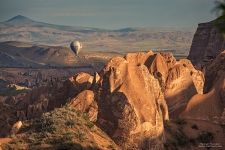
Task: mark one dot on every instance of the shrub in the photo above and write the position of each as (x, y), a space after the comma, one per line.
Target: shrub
(89, 124)
(70, 123)
(68, 136)
(80, 136)
(194, 126)
(205, 137)
(181, 139)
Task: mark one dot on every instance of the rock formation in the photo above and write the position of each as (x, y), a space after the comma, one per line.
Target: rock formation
(139, 58)
(182, 83)
(16, 127)
(129, 98)
(208, 42)
(42, 99)
(170, 59)
(78, 83)
(85, 102)
(210, 106)
(131, 105)
(213, 71)
(179, 80)
(158, 67)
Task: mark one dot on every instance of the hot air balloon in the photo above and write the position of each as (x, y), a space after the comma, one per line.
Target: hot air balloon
(76, 47)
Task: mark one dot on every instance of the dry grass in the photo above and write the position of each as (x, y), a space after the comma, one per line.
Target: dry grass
(62, 128)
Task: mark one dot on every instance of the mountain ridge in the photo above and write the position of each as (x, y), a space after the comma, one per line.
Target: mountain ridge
(125, 29)
(24, 29)
(19, 18)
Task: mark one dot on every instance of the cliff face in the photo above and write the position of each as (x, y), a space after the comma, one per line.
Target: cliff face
(207, 43)
(210, 105)
(132, 107)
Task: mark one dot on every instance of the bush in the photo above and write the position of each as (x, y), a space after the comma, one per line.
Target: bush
(70, 123)
(80, 136)
(194, 126)
(89, 124)
(181, 138)
(205, 137)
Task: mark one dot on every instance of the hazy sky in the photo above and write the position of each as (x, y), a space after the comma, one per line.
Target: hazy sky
(112, 13)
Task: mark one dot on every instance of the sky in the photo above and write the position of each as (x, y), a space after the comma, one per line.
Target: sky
(112, 14)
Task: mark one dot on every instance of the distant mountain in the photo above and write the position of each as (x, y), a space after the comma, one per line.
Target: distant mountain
(19, 20)
(23, 29)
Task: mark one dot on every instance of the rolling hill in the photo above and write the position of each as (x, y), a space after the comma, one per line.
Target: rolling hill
(25, 54)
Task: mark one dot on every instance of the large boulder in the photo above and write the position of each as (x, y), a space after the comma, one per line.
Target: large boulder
(210, 106)
(182, 83)
(179, 80)
(131, 105)
(84, 102)
(196, 75)
(16, 127)
(77, 83)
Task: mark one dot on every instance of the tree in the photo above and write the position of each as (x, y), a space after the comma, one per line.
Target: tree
(220, 21)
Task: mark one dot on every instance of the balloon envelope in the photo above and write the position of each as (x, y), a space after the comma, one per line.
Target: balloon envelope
(75, 47)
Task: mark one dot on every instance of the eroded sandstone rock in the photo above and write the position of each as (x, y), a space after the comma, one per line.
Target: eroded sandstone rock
(139, 58)
(42, 99)
(179, 80)
(210, 106)
(131, 104)
(16, 127)
(214, 71)
(169, 58)
(179, 87)
(183, 82)
(196, 75)
(158, 67)
(85, 102)
(77, 83)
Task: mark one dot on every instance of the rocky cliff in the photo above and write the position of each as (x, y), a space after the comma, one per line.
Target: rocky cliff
(207, 43)
(211, 105)
(132, 106)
